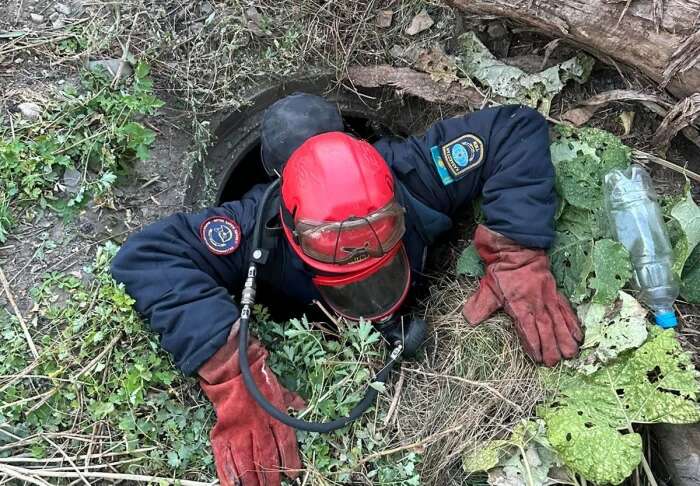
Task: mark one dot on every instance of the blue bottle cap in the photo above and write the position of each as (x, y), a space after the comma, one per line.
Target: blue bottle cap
(667, 319)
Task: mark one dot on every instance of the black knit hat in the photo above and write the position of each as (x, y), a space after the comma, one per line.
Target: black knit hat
(289, 122)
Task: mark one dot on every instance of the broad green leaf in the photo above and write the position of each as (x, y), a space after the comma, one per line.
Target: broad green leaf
(572, 263)
(612, 267)
(514, 84)
(597, 452)
(655, 383)
(485, 457)
(610, 330)
(581, 158)
(469, 262)
(687, 213)
(525, 456)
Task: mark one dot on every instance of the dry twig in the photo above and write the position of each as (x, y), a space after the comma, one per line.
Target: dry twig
(18, 314)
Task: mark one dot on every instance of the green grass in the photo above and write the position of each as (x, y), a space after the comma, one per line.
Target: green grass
(102, 374)
(91, 131)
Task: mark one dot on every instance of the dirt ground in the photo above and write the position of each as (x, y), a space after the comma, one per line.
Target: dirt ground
(205, 56)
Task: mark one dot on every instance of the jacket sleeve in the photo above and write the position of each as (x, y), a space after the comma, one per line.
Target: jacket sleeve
(181, 286)
(510, 166)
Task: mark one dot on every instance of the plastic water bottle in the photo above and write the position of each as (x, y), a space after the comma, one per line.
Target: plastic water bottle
(636, 222)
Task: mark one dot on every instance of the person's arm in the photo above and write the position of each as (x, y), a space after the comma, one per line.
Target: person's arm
(501, 153)
(181, 270)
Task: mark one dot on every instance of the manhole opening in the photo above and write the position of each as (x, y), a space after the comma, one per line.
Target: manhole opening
(249, 170)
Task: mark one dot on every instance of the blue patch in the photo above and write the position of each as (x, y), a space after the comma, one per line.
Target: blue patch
(440, 166)
(462, 155)
(220, 234)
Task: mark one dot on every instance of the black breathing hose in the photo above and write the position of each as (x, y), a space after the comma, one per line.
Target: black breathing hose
(247, 301)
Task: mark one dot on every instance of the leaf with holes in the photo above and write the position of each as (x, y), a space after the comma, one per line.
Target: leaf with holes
(610, 330)
(613, 269)
(469, 262)
(572, 264)
(655, 383)
(597, 452)
(514, 84)
(581, 158)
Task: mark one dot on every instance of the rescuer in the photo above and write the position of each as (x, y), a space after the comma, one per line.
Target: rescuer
(350, 226)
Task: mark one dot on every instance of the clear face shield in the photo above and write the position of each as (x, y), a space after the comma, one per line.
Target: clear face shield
(372, 294)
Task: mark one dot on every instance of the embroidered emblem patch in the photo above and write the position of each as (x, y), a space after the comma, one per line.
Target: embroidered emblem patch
(462, 155)
(440, 166)
(220, 234)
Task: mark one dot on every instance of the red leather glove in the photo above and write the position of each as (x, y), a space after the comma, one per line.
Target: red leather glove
(250, 447)
(518, 280)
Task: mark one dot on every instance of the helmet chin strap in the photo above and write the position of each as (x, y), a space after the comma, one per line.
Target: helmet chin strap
(403, 341)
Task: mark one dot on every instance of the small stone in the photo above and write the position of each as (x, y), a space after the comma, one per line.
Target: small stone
(30, 111)
(71, 180)
(409, 54)
(19, 60)
(396, 51)
(62, 8)
(112, 67)
(36, 18)
(420, 23)
(384, 18)
(54, 16)
(58, 24)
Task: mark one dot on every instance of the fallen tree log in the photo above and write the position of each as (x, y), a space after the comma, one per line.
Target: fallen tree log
(660, 38)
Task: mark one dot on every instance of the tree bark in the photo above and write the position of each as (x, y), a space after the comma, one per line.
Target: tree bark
(660, 38)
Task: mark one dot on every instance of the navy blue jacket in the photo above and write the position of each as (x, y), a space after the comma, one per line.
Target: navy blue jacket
(185, 290)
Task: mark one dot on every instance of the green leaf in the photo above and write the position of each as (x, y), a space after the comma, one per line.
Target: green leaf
(610, 330)
(572, 263)
(525, 458)
(173, 459)
(581, 158)
(514, 84)
(597, 452)
(469, 262)
(612, 268)
(652, 384)
(687, 213)
(485, 457)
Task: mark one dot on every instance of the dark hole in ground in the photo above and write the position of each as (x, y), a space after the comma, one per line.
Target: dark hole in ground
(250, 170)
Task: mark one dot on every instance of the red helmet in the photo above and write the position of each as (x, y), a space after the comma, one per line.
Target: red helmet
(340, 215)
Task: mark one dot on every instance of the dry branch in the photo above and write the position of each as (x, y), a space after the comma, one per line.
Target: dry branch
(34, 476)
(668, 55)
(25, 329)
(679, 117)
(415, 83)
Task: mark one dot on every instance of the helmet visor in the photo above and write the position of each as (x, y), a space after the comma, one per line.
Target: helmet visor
(371, 294)
(354, 239)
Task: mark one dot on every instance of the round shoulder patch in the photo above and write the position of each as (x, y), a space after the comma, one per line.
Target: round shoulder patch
(220, 234)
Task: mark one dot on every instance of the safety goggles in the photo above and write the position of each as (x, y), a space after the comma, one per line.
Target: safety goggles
(354, 239)
(373, 293)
